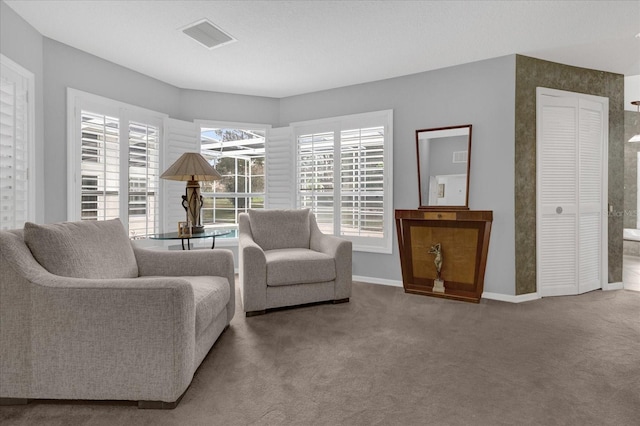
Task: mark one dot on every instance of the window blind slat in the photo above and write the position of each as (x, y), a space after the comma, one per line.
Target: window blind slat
(345, 181)
(14, 146)
(315, 159)
(280, 162)
(100, 167)
(362, 155)
(143, 180)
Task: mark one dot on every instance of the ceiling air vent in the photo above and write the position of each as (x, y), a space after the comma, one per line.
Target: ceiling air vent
(207, 34)
(460, 156)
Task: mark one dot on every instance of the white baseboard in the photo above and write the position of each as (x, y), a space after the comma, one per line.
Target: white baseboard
(613, 286)
(509, 298)
(494, 296)
(381, 281)
(497, 296)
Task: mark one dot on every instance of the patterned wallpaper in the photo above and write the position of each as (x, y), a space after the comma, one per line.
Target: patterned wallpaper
(631, 128)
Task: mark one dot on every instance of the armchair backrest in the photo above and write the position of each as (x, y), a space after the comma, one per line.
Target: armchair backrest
(278, 229)
(83, 249)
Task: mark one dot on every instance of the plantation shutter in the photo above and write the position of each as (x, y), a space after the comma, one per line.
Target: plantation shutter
(315, 160)
(100, 166)
(144, 158)
(344, 170)
(179, 137)
(113, 162)
(280, 148)
(14, 149)
(362, 182)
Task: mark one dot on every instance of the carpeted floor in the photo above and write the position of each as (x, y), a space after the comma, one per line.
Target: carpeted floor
(389, 358)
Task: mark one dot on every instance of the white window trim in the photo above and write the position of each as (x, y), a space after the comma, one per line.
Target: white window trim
(78, 100)
(361, 120)
(31, 132)
(200, 123)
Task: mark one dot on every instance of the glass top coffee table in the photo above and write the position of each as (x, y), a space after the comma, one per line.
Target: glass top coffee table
(207, 233)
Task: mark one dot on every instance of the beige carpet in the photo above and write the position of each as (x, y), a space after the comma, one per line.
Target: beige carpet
(389, 358)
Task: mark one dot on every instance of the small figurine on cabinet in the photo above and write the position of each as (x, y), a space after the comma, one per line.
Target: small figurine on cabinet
(438, 283)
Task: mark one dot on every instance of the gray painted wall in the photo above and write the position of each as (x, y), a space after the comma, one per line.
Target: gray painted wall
(22, 43)
(65, 67)
(481, 94)
(198, 104)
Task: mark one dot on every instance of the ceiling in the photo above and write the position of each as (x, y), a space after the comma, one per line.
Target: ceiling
(286, 48)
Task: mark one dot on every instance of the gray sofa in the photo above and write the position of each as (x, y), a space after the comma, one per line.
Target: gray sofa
(87, 315)
(285, 260)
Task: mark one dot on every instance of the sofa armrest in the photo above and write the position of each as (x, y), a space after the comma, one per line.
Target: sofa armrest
(132, 338)
(330, 245)
(252, 269)
(217, 262)
(341, 250)
(174, 263)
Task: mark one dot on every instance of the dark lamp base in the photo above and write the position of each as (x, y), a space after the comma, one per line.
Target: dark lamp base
(197, 229)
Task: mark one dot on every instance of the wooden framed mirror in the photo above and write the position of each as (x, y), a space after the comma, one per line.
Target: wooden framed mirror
(444, 157)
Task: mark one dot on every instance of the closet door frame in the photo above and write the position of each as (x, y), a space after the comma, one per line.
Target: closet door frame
(540, 92)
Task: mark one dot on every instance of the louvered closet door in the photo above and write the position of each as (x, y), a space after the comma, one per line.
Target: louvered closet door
(571, 213)
(592, 213)
(557, 198)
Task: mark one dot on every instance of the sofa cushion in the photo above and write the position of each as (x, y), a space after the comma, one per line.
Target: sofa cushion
(84, 249)
(298, 266)
(279, 229)
(211, 295)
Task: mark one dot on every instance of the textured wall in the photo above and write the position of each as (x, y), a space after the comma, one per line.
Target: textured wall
(631, 127)
(530, 74)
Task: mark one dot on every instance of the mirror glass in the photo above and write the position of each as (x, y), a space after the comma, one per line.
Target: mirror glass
(443, 166)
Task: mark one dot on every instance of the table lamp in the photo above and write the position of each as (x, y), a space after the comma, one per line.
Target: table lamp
(193, 168)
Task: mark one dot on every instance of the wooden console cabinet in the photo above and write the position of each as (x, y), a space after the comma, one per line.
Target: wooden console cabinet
(464, 236)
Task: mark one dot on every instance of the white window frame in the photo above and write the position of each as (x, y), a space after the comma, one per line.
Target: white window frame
(31, 134)
(243, 126)
(348, 122)
(76, 102)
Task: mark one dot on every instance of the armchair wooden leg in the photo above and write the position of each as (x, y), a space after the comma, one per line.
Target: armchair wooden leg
(14, 401)
(335, 302)
(255, 313)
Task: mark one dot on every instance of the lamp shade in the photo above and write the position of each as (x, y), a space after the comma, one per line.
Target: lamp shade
(191, 166)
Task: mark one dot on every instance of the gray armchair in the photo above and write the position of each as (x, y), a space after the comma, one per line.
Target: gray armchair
(285, 260)
(87, 315)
